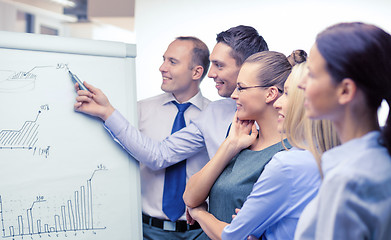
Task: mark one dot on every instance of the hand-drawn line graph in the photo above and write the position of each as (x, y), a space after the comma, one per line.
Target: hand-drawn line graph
(21, 81)
(73, 216)
(26, 137)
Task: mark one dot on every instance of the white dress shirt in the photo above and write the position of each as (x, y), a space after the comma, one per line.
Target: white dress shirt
(155, 119)
(354, 200)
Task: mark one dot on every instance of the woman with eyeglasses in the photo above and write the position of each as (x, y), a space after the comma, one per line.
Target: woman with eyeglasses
(349, 76)
(287, 184)
(229, 176)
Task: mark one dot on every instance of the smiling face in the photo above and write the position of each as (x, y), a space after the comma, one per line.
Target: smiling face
(250, 102)
(281, 104)
(223, 69)
(176, 70)
(321, 93)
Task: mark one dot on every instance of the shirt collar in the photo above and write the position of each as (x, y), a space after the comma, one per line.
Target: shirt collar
(196, 100)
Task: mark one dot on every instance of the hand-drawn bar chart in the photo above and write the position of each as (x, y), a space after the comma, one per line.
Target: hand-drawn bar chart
(76, 215)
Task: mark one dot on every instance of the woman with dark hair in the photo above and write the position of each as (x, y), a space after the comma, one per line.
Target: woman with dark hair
(349, 76)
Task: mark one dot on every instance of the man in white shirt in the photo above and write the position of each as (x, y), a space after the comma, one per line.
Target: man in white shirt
(185, 64)
(208, 130)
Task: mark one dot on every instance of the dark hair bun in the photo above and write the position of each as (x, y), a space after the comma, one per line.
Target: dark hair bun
(297, 57)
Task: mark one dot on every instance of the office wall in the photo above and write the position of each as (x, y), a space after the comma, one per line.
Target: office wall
(286, 25)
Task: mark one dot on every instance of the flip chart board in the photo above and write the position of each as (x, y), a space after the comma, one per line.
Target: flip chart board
(61, 174)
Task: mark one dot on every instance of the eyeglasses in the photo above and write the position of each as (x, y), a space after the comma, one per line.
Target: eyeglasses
(240, 88)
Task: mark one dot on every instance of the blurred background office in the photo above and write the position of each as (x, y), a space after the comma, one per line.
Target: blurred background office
(152, 24)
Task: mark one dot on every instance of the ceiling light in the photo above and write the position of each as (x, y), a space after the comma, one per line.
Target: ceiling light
(65, 3)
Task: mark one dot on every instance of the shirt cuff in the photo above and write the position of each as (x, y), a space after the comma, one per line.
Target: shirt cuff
(116, 122)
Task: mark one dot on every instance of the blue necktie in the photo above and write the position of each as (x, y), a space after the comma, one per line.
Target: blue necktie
(175, 177)
(229, 129)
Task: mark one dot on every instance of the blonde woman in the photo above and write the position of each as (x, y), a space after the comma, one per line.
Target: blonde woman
(289, 181)
(316, 136)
